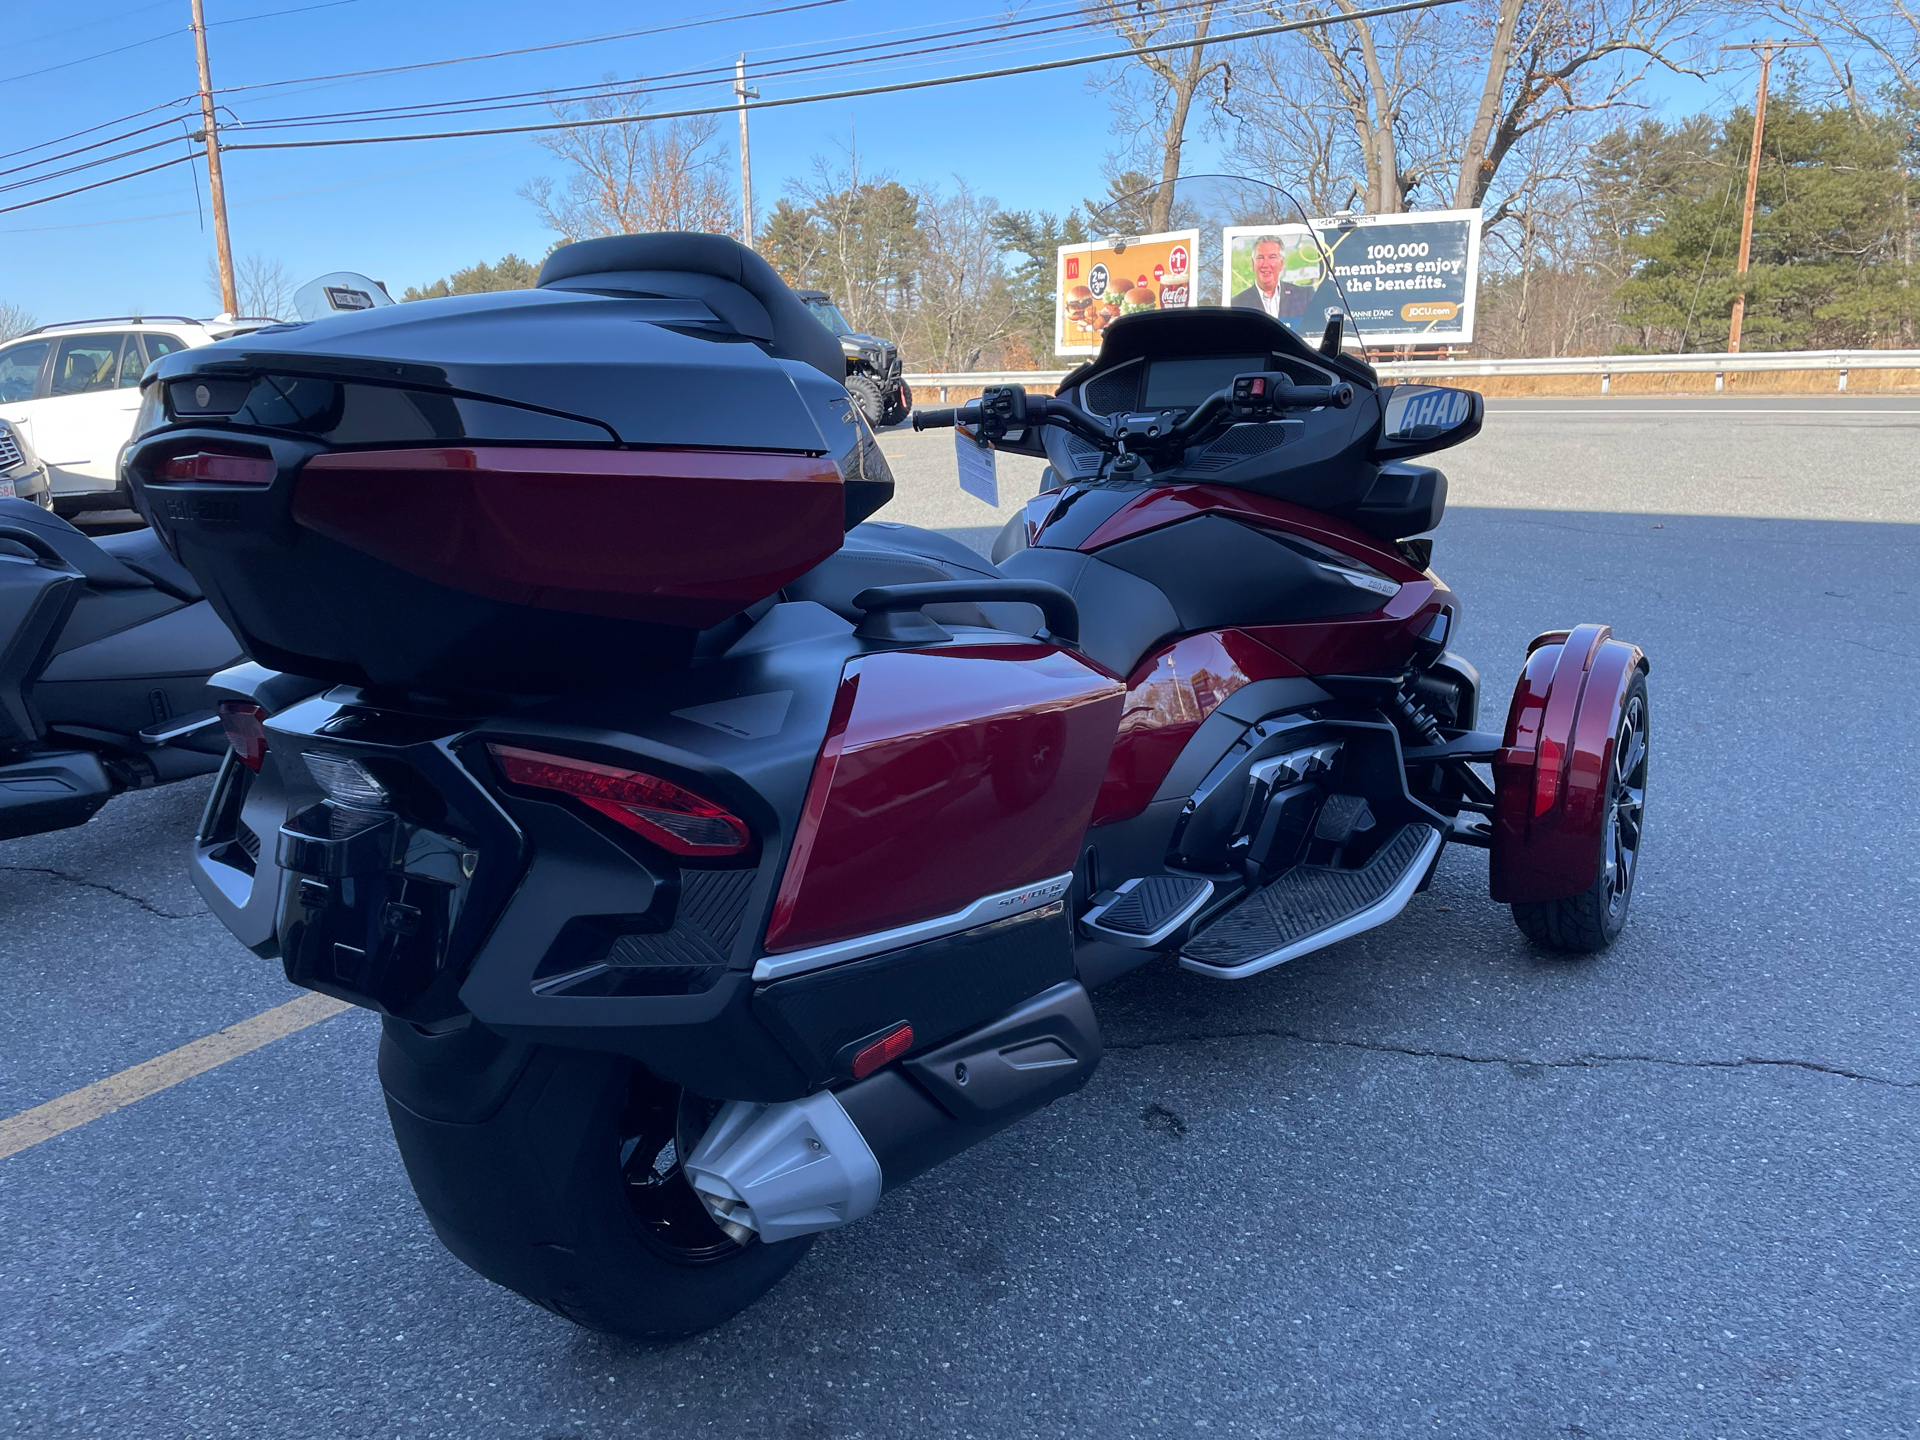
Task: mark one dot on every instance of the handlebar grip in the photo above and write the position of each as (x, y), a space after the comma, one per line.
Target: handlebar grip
(935, 419)
(1308, 397)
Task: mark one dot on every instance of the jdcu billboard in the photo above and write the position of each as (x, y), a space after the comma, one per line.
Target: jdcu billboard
(1098, 283)
(1408, 279)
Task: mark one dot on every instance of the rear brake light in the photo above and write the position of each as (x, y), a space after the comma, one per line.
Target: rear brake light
(246, 727)
(671, 816)
(217, 466)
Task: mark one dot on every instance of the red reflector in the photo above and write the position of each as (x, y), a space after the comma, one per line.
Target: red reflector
(217, 466)
(884, 1051)
(1546, 778)
(246, 727)
(671, 816)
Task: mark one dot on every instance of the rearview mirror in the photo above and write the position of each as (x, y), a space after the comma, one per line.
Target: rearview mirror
(1422, 418)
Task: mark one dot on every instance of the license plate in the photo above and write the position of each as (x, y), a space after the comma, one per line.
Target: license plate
(6, 490)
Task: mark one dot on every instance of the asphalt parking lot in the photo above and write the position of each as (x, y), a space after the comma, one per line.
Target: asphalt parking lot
(1428, 1182)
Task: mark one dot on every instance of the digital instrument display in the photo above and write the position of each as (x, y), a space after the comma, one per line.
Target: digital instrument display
(1172, 384)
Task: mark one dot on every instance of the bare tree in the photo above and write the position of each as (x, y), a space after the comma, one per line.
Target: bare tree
(14, 320)
(1154, 94)
(854, 234)
(966, 305)
(634, 176)
(1549, 61)
(262, 288)
(1866, 44)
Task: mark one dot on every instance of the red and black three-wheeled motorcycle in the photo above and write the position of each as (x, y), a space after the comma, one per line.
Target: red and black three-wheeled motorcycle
(719, 858)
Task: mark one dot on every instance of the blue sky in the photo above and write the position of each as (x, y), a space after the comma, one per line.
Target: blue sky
(407, 214)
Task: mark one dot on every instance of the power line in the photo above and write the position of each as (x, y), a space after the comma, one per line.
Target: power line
(1230, 37)
(81, 189)
(690, 79)
(168, 35)
(20, 42)
(1038, 67)
(84, 165)
(110, 140)
(533, 49)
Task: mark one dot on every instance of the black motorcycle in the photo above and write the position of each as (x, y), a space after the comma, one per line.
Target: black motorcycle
(105, 650)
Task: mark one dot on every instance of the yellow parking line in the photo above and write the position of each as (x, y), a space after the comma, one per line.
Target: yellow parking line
(103, 1097)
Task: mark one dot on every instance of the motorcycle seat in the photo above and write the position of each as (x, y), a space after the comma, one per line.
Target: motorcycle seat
(102, 569)
(878, 552)
(141, 551)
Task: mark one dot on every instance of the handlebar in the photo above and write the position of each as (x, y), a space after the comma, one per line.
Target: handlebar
(1004, 408)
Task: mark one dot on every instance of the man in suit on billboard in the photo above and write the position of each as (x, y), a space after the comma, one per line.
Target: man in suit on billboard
(1269, 292)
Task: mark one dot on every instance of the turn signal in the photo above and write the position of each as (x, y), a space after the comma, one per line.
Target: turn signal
(219, 466)
(246, 727)
(671, 816)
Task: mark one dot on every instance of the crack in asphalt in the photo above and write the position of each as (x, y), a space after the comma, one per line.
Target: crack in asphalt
(1576, 1062)
(146, 905)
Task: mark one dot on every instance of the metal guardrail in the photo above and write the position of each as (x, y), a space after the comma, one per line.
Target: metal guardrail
(1604, 366)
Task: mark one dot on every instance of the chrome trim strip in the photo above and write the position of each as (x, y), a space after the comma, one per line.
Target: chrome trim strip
(1144, 942)
(984, 911)
(170, 731)
(1378, 913)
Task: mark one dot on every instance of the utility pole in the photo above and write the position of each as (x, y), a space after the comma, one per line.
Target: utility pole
(1765, 49)
(216, 191)
(744, 94)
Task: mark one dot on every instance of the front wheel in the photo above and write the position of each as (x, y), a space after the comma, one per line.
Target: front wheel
(557, 1173)
(1591, 920)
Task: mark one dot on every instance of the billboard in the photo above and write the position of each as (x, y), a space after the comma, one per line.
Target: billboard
(1098, 283)
(1409, 279)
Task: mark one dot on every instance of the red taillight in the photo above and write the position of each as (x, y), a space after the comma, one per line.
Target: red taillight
(884, 1051)
(671, 816)
(215, 465)
(246, 727)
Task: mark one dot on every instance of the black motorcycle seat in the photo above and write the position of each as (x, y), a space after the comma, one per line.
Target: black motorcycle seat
(102, 569)
(881, 553)
(142, 551)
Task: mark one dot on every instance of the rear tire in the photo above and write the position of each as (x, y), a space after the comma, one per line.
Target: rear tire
(555, 1172)
(865, 391)
(1589, 922)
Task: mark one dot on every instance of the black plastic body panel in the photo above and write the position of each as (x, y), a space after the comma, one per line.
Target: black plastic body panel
(597, 357)
(52, 792)
(942, 988)
(35, 601)
(917, 1115)
(1218, 573)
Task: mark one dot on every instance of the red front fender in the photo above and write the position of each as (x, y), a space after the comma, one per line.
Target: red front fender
(1550, 778)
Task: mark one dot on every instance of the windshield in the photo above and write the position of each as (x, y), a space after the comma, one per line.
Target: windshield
(1209, 240)
(340, 293)
(828, 314)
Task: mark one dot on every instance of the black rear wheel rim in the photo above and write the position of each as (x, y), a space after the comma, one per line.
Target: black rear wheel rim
(659, 1126)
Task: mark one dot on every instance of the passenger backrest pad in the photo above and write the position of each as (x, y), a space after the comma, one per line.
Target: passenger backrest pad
(736, 284)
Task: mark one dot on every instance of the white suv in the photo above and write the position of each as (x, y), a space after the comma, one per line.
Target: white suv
(72, 390)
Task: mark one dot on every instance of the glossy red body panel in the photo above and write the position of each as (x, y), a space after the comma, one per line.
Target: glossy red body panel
(1168, 505)
(655, 535)
(1550, 777)
(946, 775)
(1360, 644)
(1171, 692)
